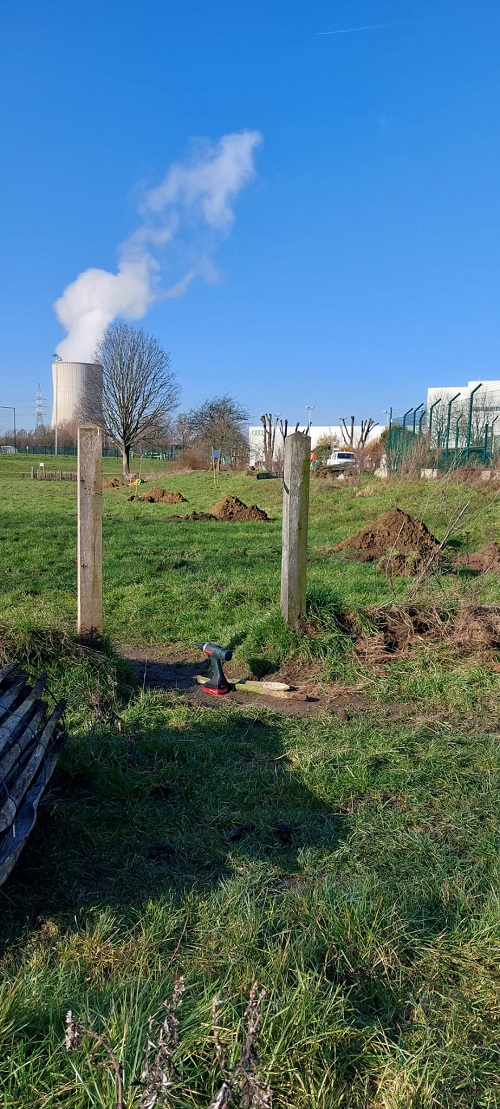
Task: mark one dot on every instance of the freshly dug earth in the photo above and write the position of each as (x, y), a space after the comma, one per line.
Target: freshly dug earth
(485, 559)
(394, 533)
(231, 508)
(113, 483)
(473, 630)
(161, 496)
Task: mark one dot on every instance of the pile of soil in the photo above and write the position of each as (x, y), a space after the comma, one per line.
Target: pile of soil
(231, 508)
(485, 559)
(394, 534)
(113, 483)
(325, 471)
(161, 496)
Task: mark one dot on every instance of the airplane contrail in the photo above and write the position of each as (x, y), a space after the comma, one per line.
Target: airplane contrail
(350, 30)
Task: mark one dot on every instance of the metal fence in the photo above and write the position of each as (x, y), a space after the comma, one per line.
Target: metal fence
(443, 437)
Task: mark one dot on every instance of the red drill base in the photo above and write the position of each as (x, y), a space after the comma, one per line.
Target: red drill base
(215, 692)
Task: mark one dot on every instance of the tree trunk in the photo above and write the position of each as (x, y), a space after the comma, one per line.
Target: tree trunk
(126, 462)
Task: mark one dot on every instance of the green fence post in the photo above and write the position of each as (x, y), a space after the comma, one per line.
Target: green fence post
(485, 444)
(493, 422)
(469, 422)
(448, 421)
(415, 417)
(461, 416)
(431, 414)
(404, 417)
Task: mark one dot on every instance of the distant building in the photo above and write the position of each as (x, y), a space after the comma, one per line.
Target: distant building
(316, 432)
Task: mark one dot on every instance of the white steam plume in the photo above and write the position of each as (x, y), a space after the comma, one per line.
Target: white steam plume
(189, 212)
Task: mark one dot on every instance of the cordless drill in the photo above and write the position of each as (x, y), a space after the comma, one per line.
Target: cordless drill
(217, 683)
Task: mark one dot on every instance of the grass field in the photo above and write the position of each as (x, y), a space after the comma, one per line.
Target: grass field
(371, 920)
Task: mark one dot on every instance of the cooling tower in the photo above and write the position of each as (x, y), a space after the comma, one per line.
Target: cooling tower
(77, 387)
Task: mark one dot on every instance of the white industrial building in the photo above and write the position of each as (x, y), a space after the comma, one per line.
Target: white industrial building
(75, 385)
(448, 404)
(316, 432)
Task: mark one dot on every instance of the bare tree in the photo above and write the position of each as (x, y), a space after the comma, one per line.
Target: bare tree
(274, 455)
(139, 390)
(269, 423)
(182, 434)
(220, 423)
(366, 426)
(348, 432)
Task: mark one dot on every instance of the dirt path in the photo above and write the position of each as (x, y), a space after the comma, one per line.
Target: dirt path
(157, 668)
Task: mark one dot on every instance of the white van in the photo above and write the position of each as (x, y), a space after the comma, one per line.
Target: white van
(340, 459)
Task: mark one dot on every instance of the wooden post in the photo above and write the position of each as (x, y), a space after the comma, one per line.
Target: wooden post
(90, 440)
(295, 518)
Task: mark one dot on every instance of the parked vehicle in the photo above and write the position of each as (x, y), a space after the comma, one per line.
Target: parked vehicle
(339, 459)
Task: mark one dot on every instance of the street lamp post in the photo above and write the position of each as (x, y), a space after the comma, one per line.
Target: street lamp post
(310, 408)
(12, 409)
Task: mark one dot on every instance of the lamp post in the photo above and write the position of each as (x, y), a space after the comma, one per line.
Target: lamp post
(310, 408)
(12, 409)
(57, 359)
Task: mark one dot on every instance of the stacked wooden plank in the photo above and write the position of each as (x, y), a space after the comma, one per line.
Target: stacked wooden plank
(31, 739)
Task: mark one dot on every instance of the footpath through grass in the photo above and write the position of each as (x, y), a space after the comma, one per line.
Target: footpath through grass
(347, 864)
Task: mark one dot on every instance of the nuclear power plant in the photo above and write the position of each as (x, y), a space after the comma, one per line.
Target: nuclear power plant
(76, 391)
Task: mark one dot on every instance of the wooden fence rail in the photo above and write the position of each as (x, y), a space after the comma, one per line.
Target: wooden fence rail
(53, 475)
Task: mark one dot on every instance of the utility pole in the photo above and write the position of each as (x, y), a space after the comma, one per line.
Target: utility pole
(39, 408)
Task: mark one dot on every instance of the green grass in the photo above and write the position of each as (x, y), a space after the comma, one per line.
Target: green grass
(374, 929)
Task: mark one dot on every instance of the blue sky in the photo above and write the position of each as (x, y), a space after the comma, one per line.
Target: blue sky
(363, 263)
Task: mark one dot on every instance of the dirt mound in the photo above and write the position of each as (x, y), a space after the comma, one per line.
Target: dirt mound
(394, 533)
(485, 559)
(325, 471)
(161, 496)
(113, 483)
(231, 508)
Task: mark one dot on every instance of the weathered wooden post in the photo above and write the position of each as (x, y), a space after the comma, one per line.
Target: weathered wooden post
(295, 518)
(89, 474)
